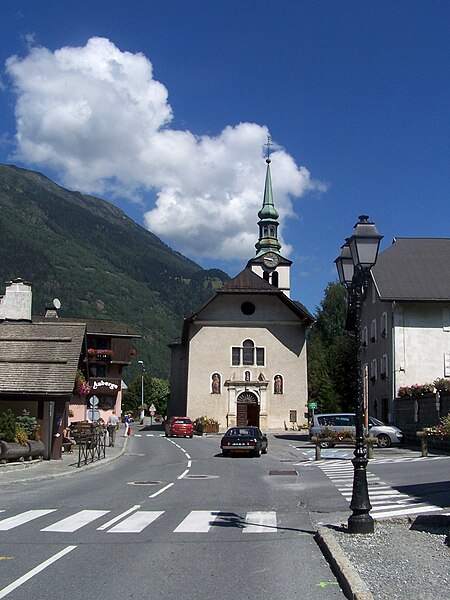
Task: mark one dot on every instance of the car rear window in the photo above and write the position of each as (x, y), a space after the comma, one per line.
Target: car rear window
(183, 421)
(242, 431)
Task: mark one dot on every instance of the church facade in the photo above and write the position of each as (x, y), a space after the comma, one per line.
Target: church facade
(241, 359)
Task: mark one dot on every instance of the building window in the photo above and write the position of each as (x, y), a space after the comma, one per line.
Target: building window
(248, 308)
(373, 370)
(384, 366)
(215, 383)
(373, 331)
(364, 337)
(275, 278)
(278, 384)
(384, 324)
(247, 354)
(247, 376)
(446, 365)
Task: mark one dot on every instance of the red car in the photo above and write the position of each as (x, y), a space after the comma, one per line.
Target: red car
(179, 426)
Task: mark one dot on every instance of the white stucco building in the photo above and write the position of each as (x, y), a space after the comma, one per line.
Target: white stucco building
(241, 358)
(406, 320)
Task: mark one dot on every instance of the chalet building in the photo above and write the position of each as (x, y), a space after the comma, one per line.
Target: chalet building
(406, 320)
(241, 358)
(59, 369)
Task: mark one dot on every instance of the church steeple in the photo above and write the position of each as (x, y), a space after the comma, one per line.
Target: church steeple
(268, 218)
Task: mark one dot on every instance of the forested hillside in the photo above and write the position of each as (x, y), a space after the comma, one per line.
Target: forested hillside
(98, 262)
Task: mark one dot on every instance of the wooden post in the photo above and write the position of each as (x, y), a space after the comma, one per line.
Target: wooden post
(423, 436)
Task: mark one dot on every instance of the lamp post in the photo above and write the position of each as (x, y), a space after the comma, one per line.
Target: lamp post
(142, 390)
(358, 255)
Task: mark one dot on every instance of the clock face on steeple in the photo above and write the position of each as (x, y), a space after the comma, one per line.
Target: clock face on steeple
(271, 260)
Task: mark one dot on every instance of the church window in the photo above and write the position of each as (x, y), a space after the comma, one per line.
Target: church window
(248, 308)
(266, 276)
(247, 376)
(275, 278)
(247, 354)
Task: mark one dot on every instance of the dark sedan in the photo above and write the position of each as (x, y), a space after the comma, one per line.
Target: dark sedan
(244, 439)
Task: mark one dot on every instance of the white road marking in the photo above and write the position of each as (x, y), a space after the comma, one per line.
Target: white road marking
(76, 521)
(166, 487)
(183, 474)
(261, 522)
(15, 584)
(124, 514)
(137, 522)
(25, 517)
(189, 465)
(197, 521)
(187, 455)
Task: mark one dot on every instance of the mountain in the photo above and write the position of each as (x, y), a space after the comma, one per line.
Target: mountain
(98, 262)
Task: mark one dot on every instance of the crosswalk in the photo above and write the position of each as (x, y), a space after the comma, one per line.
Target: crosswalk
(135, 521)
(386, 501)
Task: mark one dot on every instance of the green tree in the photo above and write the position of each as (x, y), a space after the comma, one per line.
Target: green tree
(28, 423)
(331, 354)
(156, 391)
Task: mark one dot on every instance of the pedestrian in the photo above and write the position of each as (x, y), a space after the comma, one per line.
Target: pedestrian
(127, 426)
(112, 426)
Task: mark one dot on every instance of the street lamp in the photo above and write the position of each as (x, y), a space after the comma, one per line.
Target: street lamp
(141, 362)
(358, 255)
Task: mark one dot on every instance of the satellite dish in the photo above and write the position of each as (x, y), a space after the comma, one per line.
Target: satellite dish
(57, 303)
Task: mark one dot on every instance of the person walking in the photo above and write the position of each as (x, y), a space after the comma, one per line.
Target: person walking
(127, 426)
(112, 425)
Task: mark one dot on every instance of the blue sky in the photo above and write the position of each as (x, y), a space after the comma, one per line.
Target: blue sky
(163, 107)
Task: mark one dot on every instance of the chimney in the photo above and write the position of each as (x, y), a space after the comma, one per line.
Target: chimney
(15, 305)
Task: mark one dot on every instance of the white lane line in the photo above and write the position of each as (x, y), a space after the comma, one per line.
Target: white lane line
(137, 522)
(76, 521)
(187, 455)
(150, 434)
(405, 511)
(121, 516)
(15, 584)
(166, 487)
(183, 474)
(197, 521)
(137, 435)
(25, 517)
(260, 522)
(189, 464)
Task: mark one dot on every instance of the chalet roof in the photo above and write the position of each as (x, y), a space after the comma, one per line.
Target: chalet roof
(39, 358)
(96, 326)
(414, 269)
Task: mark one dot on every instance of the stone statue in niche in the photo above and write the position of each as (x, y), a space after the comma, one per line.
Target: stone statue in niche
(215, 383)
(278, 384)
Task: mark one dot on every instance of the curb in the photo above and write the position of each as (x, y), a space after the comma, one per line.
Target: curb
(349, 579)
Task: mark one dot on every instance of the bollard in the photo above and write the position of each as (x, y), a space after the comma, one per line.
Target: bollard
(423, 436)
(316, 442)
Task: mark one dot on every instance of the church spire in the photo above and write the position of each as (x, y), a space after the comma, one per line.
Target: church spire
(268, 216)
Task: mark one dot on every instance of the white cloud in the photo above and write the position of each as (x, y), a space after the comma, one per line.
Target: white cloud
(96, 115)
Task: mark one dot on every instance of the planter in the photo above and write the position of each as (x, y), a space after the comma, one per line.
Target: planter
(207, 429)
(36, 448)
(13, 451)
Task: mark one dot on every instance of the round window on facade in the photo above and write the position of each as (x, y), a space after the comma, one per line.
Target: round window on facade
(248, 308)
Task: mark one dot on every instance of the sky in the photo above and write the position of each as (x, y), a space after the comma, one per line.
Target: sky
(164, 107)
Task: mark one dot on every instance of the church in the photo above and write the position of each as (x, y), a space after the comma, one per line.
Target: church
(241, 358)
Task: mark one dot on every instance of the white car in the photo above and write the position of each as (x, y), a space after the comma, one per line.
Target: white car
(385, 434)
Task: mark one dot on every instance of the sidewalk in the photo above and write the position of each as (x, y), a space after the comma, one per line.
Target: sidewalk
(22, 472)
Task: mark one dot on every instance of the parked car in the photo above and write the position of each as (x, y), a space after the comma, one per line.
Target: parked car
(385, 434)
(244, 439)
(179, 426)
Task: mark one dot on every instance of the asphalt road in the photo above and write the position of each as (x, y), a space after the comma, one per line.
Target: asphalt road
(170, 519)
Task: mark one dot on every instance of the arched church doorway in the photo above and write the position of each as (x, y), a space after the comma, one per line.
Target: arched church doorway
(247, 410)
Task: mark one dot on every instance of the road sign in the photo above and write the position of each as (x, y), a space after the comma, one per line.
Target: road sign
(312, 405)
(93, 401)
(93, 414)
(152, 409)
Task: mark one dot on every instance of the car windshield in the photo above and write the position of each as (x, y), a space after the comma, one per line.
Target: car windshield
(242, 431)
(374, 421)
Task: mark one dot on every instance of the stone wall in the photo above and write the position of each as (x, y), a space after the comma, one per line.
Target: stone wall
(413, 414)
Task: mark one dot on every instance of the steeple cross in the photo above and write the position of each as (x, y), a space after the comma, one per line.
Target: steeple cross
(269, 143)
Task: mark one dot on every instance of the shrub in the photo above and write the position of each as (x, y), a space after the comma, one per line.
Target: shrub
(339, 436)
(442, 429)
(21, 436)
(7, 426)
(28, 424)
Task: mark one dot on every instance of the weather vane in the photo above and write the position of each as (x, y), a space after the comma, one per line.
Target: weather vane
(269, 143)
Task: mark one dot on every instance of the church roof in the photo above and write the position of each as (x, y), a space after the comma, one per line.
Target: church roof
(247, 281)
